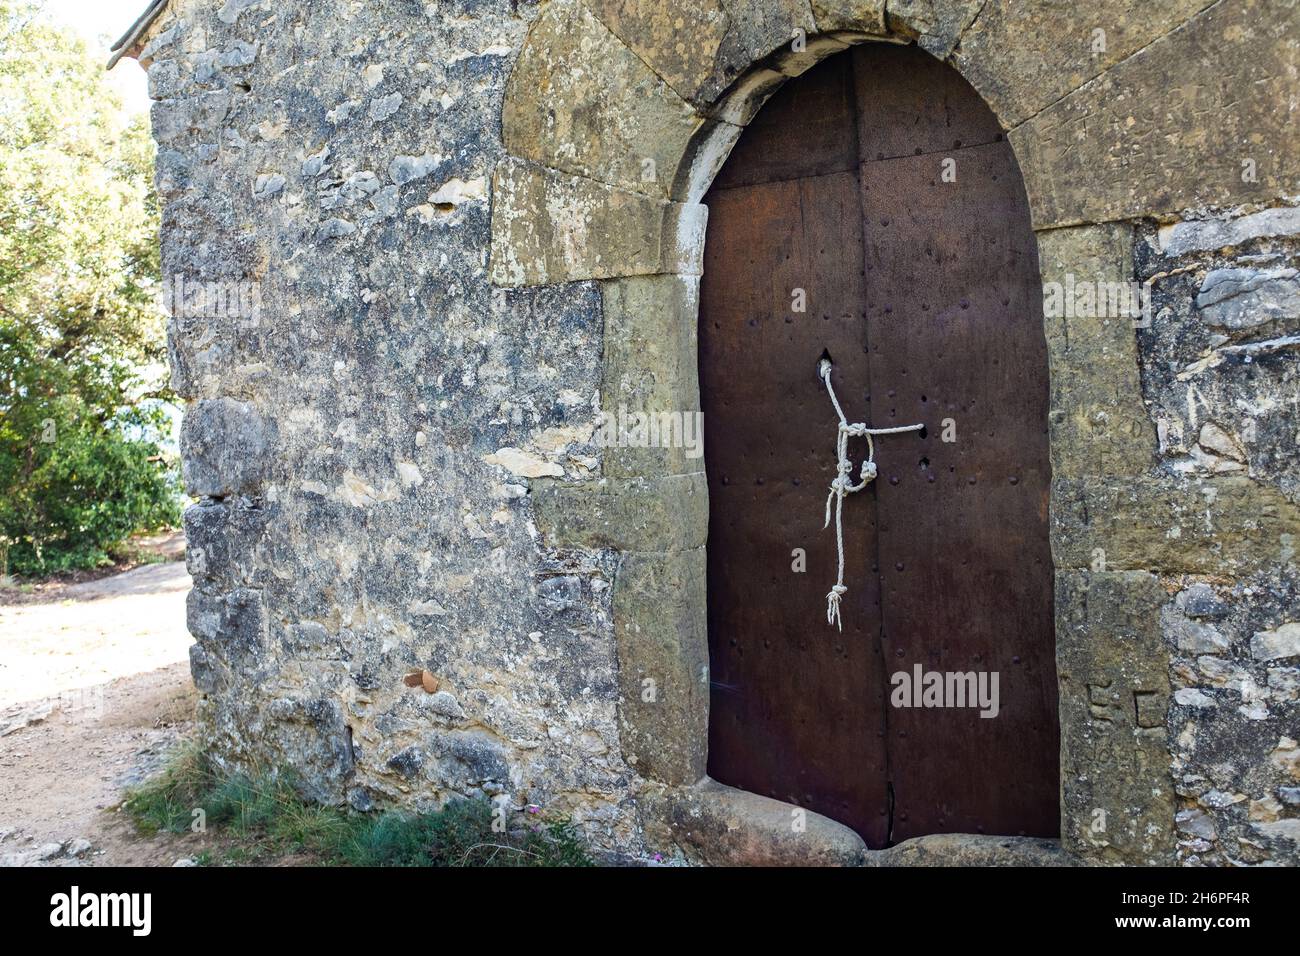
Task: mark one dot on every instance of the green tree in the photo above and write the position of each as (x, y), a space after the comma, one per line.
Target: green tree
(83, 388)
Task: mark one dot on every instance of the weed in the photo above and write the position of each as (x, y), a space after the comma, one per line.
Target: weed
(264, 816)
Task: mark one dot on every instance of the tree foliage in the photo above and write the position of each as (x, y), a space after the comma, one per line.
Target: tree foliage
(82, 342)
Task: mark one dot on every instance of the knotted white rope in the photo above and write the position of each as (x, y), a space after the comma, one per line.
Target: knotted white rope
(843, 484)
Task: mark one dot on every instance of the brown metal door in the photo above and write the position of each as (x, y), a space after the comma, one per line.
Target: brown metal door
(925, 295)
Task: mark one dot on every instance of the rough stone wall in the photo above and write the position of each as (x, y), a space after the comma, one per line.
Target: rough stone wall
(1221, 382)
(1176, 513)
(1157, 149)
(359, 448)
(376, 454)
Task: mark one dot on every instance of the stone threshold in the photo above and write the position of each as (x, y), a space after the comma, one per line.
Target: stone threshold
(717, 825)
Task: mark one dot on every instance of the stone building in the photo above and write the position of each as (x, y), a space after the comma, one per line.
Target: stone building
(424, 570)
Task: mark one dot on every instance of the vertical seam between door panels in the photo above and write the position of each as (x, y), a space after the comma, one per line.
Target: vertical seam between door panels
(875, 499)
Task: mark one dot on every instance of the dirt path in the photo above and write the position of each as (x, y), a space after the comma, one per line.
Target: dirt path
(94, 689)
(93, 633)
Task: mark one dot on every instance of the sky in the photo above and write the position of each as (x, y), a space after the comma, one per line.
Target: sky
(100, 23)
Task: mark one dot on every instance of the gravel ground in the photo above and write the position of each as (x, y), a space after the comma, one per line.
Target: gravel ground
(94, 690)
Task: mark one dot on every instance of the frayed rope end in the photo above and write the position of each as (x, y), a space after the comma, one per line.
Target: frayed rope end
(833, 605)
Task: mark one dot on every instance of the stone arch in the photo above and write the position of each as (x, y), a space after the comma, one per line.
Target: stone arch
(613, 130)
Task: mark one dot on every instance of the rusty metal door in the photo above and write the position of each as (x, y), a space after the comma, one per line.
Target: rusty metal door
(877, 192)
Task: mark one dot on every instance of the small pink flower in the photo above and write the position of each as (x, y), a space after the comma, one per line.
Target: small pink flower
(533, 808)
(658, 858)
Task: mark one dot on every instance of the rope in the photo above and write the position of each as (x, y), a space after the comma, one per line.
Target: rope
(843, 484)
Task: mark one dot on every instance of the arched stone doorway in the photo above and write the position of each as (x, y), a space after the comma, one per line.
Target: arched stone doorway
(873, 213)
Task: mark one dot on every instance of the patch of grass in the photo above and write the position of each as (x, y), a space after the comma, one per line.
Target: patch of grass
(166, 802)
(264, 817)
(137, 557)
